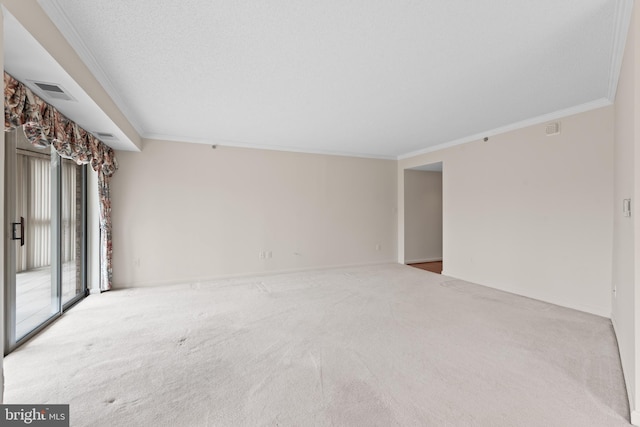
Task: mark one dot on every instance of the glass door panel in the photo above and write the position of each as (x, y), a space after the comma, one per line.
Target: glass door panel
(72, 231)
(30, 251)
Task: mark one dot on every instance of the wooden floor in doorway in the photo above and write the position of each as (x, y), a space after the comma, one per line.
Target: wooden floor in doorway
(434, 266)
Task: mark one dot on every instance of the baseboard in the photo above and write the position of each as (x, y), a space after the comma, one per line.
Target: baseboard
(549, 299)
(249, 274)
(418, 261)
(635, 418)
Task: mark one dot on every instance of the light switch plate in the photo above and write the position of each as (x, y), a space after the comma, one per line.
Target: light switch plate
(626, 207)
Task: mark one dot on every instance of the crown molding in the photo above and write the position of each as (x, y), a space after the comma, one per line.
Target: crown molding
(599, 103)
(593, 105)
(151, 137)
(622, 20)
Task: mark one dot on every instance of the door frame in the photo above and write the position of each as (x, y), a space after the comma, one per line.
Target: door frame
(10, 142)
(435, 166)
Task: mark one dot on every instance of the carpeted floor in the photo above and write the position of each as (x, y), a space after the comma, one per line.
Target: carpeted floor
(381, 345)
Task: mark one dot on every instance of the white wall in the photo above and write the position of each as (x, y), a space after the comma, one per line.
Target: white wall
(625, 253)
(531, 214)
(185, 211)
(422, 216)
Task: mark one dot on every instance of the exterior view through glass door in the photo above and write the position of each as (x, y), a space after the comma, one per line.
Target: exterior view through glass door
(45, 210)
(72, 231)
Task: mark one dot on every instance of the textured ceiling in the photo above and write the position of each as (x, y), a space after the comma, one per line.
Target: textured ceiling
(381, 78)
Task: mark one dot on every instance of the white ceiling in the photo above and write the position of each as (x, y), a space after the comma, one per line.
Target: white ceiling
(378, 78)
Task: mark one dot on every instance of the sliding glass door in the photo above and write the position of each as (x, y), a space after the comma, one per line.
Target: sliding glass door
(72, 231)
(45, 263)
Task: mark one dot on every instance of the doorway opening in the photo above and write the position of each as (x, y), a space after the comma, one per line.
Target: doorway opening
(423, 217)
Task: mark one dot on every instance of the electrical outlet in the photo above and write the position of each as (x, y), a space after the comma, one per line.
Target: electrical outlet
(261, 255)
(269, 254)
(378, 247)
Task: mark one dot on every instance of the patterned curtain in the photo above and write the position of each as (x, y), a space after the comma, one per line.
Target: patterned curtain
(44, 125)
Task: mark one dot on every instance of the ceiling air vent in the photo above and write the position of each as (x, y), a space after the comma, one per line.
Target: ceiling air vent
(53, 91)
(552, 128)
(105, 136)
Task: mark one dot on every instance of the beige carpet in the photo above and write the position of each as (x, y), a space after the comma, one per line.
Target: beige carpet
(381, 345)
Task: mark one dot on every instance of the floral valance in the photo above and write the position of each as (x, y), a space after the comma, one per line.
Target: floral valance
(44, 125)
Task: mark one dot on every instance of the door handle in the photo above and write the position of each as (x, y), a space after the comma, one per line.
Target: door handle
(13, 231)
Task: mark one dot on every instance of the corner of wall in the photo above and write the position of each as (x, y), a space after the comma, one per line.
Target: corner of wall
(400, 213)
(626, 237)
